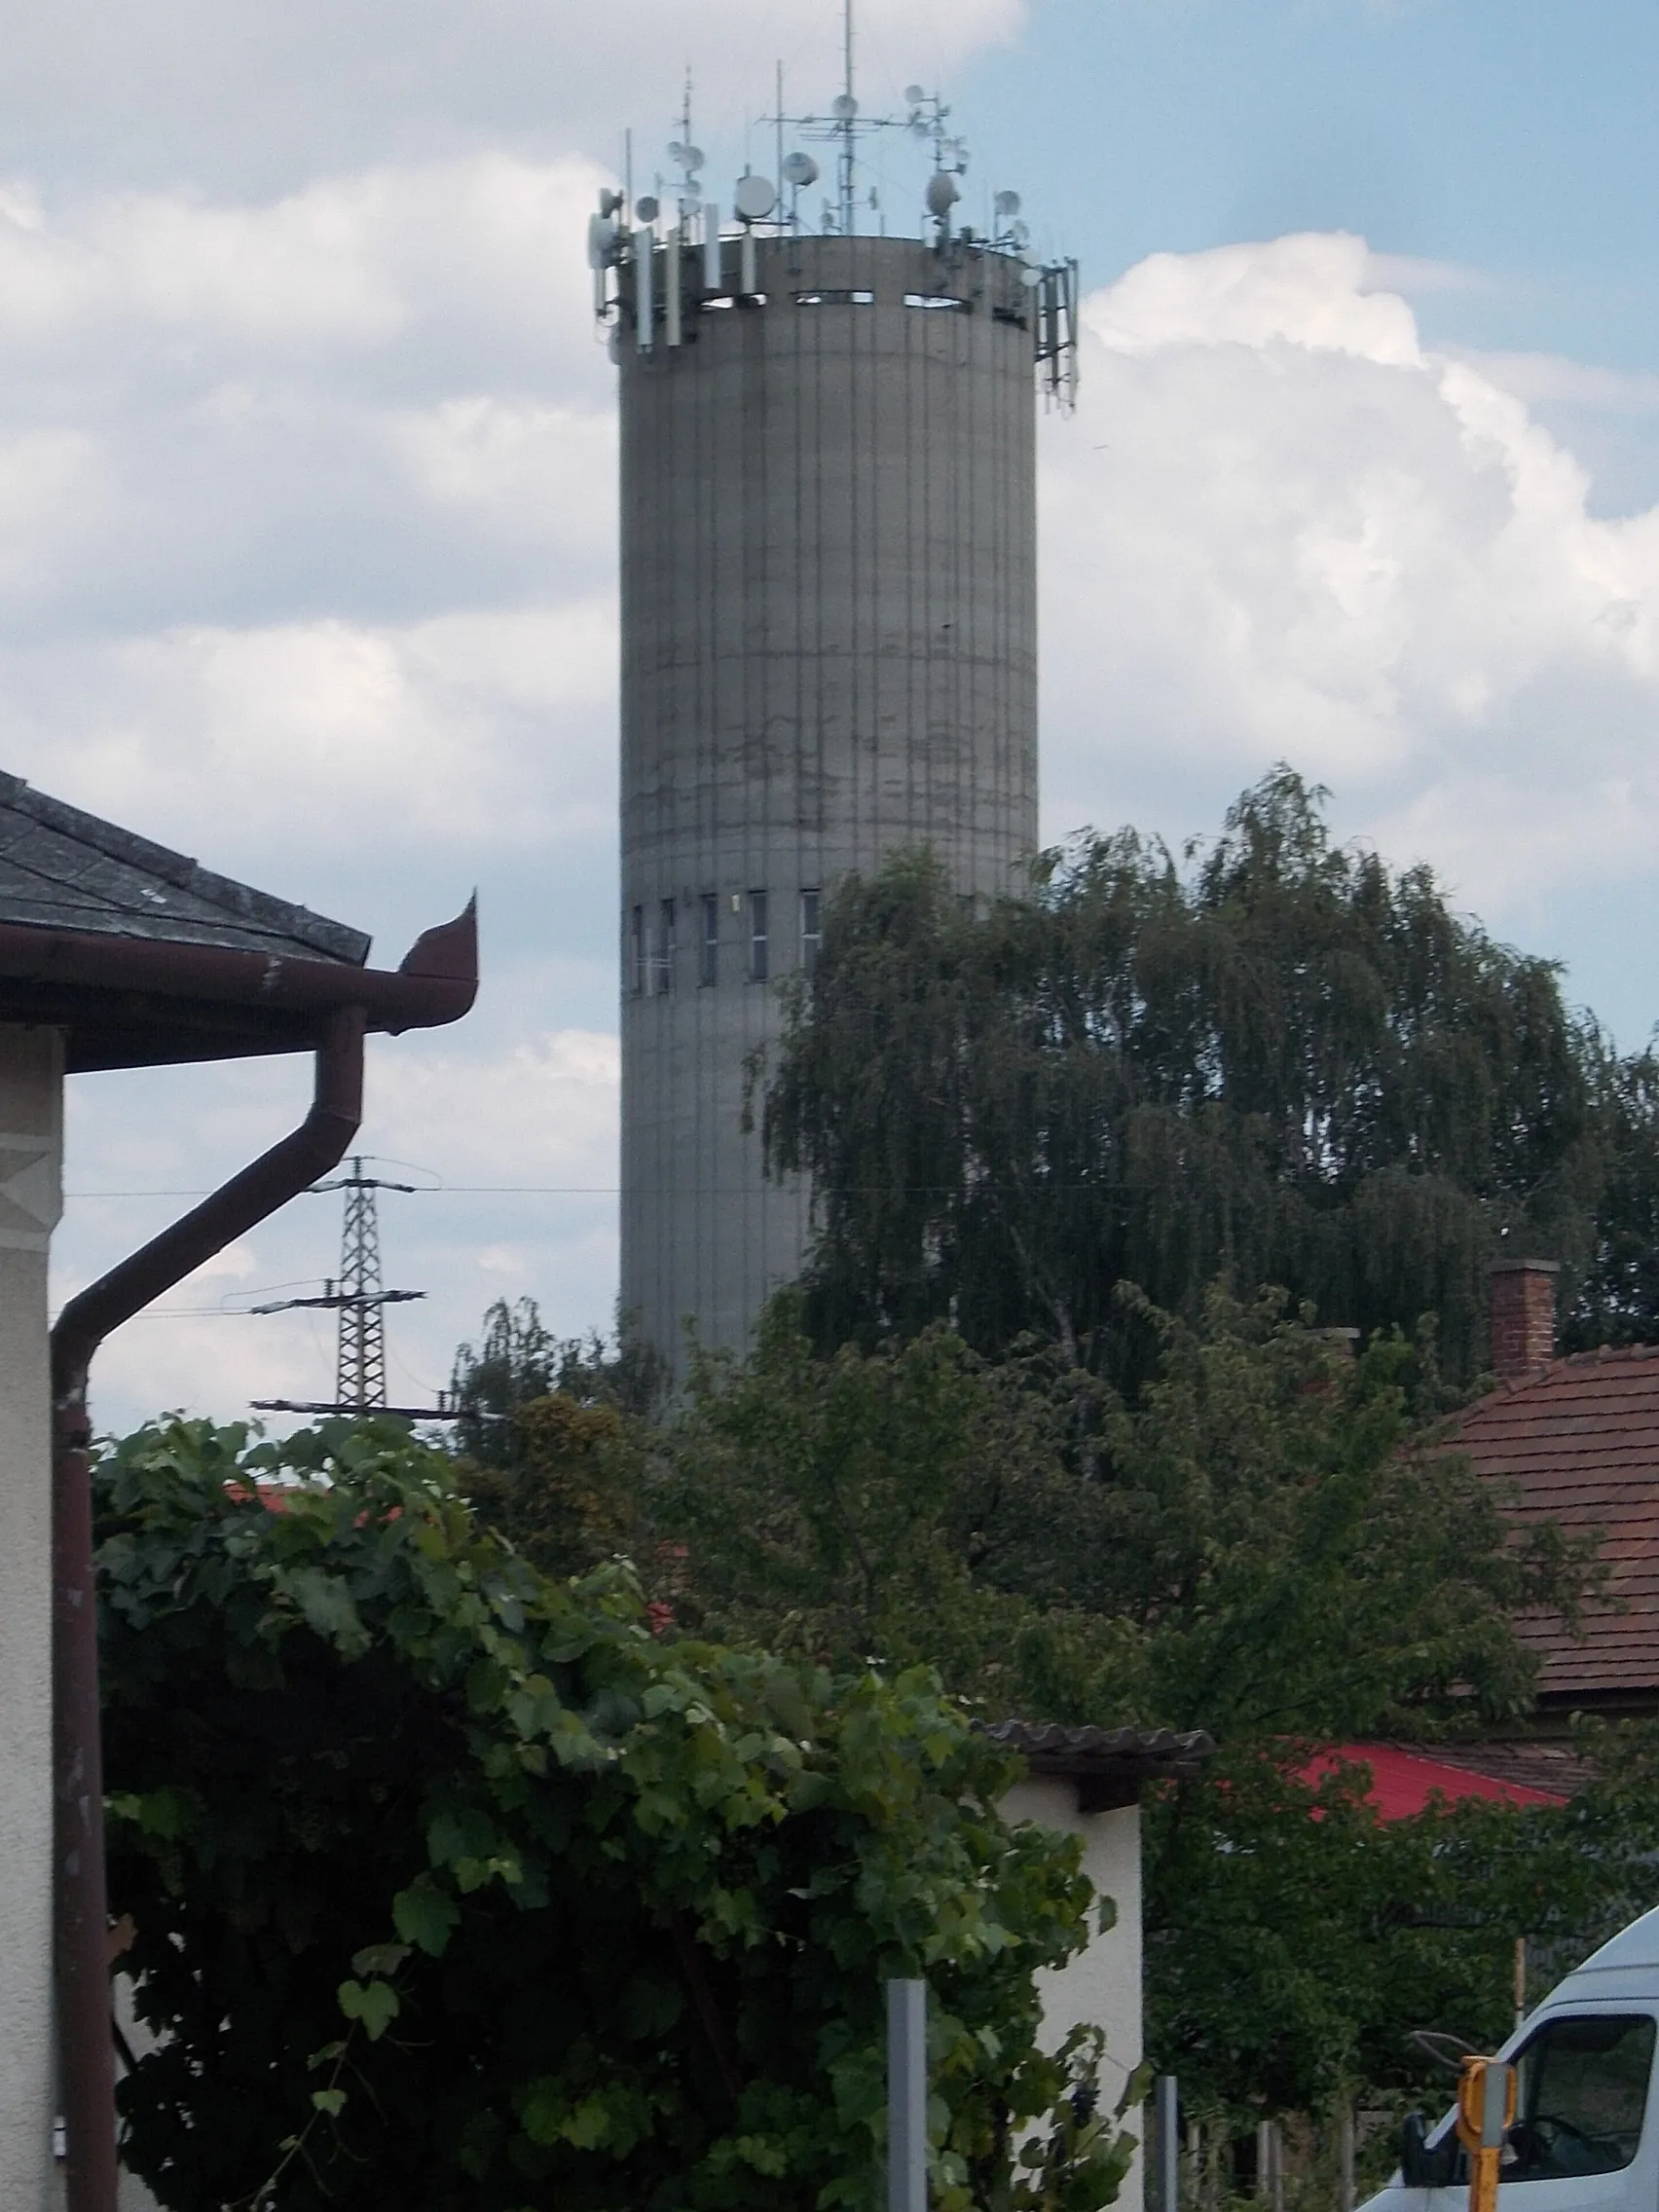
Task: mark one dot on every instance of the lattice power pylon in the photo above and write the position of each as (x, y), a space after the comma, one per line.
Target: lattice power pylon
(359, 1374)
(359, 1367)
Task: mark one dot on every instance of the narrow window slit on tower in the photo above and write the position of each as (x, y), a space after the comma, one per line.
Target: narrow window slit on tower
(637, 952)
(811, 930)
(665, 947)
(757, 937)
(945, 299)
(834, 298)
(709, 951)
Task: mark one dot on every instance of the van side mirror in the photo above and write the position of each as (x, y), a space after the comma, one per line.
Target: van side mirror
(1423, 2167)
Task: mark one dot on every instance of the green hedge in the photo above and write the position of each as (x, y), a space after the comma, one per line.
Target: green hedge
(453, 1886)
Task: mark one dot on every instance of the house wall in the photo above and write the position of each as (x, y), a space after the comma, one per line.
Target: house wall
(31, 1124)
(1102, 1985)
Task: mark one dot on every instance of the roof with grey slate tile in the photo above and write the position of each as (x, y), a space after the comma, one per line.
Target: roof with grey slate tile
(64, 869)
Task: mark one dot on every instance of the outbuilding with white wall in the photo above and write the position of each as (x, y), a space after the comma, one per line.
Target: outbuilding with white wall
(1088, 1783)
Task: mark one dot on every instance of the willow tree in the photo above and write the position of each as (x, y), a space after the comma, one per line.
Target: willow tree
(1273, 1060)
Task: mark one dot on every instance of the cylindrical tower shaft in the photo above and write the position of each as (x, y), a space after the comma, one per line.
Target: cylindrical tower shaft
(828, 651)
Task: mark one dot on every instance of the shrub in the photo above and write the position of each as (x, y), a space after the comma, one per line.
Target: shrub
(452, 1886)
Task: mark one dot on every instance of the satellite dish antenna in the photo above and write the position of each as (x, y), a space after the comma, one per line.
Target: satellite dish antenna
(1031, 279)
(646, 207)
(942, 194)
(754, 199)
(1006, 206)
(843, 107)
(914, 94)
(685, 156)
(800, 169)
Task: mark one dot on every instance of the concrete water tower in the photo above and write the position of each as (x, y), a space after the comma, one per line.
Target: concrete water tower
(828, 632)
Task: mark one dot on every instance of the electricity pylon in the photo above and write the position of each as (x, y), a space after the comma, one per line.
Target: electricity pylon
(359, 1372)
(359, 1367)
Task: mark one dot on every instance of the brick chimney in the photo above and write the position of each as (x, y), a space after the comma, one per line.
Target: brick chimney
(1523, 1317)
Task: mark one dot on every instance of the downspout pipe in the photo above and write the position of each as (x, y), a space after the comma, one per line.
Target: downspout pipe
(86, 2042)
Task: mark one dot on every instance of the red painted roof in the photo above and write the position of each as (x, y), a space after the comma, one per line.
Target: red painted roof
(1578, 1444)
(1403, 1781)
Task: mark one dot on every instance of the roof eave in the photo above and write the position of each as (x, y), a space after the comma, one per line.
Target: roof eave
(151, 1002)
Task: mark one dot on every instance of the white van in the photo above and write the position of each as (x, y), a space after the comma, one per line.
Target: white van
(1586, 2132)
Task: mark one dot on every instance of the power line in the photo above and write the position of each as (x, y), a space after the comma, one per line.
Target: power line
(361, 1301)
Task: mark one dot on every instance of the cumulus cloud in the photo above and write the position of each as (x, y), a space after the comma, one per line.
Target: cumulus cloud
(469, 734)
(1281, 525)
(259, 94)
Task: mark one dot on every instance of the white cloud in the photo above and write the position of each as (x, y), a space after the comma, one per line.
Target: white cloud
(260, 95)
(469, 733)
(544, 1114)
(1282, 527)
(1307, 290)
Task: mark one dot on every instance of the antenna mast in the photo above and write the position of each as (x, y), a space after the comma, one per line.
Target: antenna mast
(848, 108)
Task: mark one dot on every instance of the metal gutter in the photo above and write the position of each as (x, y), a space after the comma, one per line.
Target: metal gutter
(435, 984)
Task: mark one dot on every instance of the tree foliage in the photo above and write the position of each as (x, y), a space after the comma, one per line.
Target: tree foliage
(1297, 1942)
(1267, 1541)
(453, 1887)
(1259, 1542)
(517, 1359)
(1282, 1062)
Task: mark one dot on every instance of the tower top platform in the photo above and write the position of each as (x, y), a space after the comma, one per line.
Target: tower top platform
(662, 262)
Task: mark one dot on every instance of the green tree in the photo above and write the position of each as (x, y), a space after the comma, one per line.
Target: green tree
(517, 1359)
(1282, 1064)
(1296, 1941)
(1259, 1543)
(1618, 1300)
(454, 1887)
(1263, 1541)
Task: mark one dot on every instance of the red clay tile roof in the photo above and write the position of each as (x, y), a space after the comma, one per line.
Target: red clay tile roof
(1539, 1764)
(1578, 1444)
(1404, 1777)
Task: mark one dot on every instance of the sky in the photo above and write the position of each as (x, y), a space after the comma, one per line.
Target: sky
(307, 542)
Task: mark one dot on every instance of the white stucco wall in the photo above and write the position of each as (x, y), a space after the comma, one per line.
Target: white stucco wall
(1103, 1982)
(31, 1124)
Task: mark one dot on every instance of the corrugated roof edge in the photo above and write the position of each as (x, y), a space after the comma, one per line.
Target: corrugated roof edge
(336, 939)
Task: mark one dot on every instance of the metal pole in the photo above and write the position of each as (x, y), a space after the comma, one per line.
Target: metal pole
(907, 2096)
(1345, 2152)
(1167, 2132)
(847, 121)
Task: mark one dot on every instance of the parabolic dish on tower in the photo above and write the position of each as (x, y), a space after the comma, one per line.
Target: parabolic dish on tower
(754, 199)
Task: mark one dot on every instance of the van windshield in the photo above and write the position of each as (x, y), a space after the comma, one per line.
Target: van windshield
(1581, 2097)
